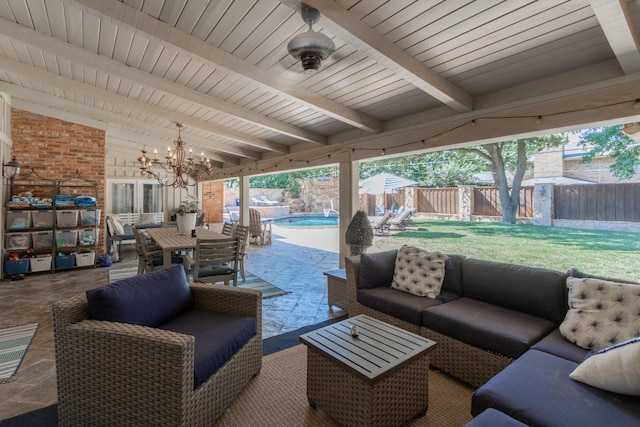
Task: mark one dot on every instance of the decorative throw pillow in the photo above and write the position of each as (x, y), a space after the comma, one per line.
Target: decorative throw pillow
(147, 218)
(615, 369)
(117, 227)
(601, 313)
(419, 272)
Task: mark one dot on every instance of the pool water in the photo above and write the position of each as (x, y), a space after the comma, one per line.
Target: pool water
(307, 221)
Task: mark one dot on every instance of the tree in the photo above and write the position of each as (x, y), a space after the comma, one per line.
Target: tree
(512, 155)
(611, 141)
(442, 169)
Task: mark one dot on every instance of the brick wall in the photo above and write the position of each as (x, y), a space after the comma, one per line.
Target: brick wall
(213, 201)
(57, 148)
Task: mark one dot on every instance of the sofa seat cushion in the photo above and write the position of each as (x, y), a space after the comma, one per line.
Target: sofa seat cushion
(536, 389)
(146, 299)
(218, 336)
(486, 326)
(556, 344)
(401, 305)
(494, 418)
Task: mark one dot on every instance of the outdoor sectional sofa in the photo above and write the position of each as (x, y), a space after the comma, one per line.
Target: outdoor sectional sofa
(496, 326)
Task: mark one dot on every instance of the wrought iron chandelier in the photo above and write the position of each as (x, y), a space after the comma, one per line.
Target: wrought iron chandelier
(183, 171)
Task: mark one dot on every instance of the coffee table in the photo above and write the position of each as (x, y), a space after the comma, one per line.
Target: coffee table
(379, 377)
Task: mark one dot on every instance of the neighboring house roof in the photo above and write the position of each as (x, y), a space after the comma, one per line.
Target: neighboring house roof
(556, 180)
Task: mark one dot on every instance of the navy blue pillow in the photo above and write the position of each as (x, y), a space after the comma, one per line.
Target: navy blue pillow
(146, 300)
(376, 269)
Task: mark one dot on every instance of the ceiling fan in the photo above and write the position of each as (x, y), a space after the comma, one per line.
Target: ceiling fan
(310, 47)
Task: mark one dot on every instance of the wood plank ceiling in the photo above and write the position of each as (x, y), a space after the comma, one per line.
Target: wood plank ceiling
(407, 75)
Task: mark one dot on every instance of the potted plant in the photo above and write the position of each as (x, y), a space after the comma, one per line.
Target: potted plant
(359, 234)
(186, 215)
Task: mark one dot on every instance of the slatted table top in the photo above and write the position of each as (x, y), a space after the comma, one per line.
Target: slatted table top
(169, 238)
(377, 351)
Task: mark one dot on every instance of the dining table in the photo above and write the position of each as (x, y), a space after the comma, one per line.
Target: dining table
(170, 240)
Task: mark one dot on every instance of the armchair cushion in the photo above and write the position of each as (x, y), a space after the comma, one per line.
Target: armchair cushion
(218, 336)
(146, 299)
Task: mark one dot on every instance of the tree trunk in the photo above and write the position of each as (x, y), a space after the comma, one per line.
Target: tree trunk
(509, 200)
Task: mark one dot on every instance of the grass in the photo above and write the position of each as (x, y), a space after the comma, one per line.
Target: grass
(606, 253)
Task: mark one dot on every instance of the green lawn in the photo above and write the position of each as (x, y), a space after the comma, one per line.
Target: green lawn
(607, 253)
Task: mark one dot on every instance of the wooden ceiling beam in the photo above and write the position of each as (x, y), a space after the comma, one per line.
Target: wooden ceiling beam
(616, 22)
(364, 38)
(138, 22)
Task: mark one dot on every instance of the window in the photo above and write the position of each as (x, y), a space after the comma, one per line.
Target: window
(127, 196)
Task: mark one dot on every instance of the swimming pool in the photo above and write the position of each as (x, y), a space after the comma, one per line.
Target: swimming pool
(310, 220)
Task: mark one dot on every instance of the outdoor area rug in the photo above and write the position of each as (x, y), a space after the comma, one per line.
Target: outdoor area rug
(14, 343)
(254, 282)
(278, 397)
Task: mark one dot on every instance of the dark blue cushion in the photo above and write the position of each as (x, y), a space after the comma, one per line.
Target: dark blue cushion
(146, 299)
(218, 336)
(376, 269)
(215, 270)
(536, 389)
(489, 327)
(393, 302)
(536, 291)
(494, 418)
(556, 344)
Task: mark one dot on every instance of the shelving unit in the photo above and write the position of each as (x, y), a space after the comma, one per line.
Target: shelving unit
(45, 234)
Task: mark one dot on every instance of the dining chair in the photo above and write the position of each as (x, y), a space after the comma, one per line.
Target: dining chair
(216, 260)
(242, 233)
(151, 253)
(227, 229)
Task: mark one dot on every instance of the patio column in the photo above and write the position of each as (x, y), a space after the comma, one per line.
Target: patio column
(243, 213)
(349, 181)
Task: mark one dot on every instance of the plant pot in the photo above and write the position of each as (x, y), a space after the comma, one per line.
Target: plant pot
(186, 223)
(357, 250)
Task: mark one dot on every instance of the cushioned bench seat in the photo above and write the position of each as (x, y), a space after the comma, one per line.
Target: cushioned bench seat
(218, 336)
(487, 326)
(536, 389)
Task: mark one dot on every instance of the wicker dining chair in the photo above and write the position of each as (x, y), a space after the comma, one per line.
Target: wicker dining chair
(216, 260)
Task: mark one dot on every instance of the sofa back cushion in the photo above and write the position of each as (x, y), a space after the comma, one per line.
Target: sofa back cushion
(536, 291)
(376, 269)
(146, 299)
(453, 274)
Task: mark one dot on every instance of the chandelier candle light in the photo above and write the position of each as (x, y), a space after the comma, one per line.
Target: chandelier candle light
(183, 170)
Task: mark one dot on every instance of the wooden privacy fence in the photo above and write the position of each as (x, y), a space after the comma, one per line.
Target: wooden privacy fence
(486, 201)
(598, 202)
(438, 200)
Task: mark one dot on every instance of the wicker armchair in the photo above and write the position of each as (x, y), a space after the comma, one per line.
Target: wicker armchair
(120, 374)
